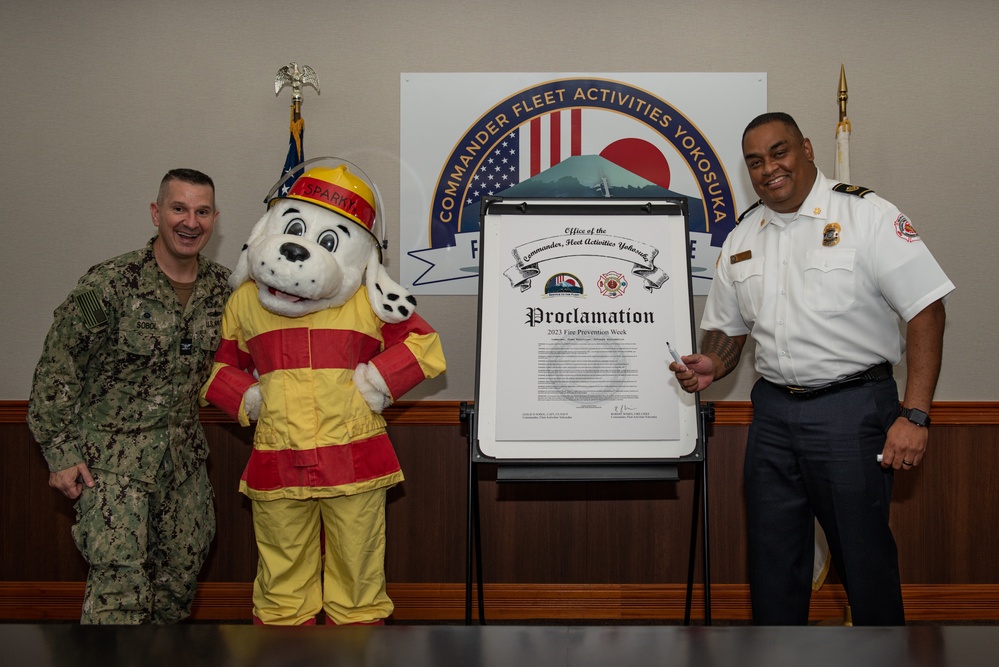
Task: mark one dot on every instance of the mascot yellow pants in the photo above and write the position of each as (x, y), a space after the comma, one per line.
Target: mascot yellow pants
(295, 581)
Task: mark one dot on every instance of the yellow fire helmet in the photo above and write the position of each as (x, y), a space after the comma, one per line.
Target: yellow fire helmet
(337, 188)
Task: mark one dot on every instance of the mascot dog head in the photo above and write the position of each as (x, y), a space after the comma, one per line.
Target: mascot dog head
(314, 247)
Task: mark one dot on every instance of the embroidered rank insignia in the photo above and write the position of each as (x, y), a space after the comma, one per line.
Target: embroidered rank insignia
(855, 190)
(905, 230)
(741, 256)
(830, 235)
(748, 210)
(91, 308)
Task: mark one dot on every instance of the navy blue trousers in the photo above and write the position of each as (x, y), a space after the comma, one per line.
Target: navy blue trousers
(816, 458)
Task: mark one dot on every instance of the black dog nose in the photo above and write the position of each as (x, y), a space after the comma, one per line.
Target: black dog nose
(294, 252)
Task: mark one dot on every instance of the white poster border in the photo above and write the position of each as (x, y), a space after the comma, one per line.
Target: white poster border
(656, 421)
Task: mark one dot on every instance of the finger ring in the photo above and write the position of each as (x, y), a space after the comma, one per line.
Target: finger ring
(906, 463)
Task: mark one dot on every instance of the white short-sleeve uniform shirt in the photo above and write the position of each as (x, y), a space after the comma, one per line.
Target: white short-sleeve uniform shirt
(821, 293)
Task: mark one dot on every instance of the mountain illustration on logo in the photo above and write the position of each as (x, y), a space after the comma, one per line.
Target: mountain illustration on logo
(589, 176)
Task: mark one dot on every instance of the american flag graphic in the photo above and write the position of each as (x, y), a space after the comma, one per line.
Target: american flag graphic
(526, 152)
(549, 139)
(499, 170)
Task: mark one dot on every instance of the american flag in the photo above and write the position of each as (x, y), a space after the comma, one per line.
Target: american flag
(296, 143)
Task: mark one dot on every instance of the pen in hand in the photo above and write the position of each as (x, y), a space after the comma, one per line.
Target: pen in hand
(675, 355)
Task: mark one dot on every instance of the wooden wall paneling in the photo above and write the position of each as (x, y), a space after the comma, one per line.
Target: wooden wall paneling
(529, 530)
(425, 516)
(35, 537)
(660, 512)
(233, 556)
(583, 548)
(945, 513)
(727, 516)
(624, 532)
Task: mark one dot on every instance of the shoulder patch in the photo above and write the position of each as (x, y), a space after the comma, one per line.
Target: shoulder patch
(855, 190)
(90, 306)
(905, 230)
(747, 211)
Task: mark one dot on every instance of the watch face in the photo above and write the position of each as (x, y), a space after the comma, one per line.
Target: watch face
(917, 417)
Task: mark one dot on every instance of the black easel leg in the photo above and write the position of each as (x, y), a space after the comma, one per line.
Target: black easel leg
(707, 550)
(473, 529)
(468, 548)
(469, 510)
(478, 548)
(693, 544)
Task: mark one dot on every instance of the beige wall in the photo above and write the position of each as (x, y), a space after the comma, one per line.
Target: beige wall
(100, 98)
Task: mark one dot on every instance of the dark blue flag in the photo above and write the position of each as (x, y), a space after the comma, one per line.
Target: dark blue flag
(296, 149)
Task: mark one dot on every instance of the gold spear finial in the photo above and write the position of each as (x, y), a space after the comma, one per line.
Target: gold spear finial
(843, 94)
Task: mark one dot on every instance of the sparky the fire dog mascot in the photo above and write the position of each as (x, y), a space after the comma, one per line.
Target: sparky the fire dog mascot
(317, 340)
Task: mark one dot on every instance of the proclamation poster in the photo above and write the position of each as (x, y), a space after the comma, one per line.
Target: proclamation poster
(578, 302)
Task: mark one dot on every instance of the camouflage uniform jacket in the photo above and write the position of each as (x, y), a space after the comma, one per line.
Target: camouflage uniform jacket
(117, 383)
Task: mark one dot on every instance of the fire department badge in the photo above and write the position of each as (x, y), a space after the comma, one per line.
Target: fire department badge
(612, 284)
(830, 235)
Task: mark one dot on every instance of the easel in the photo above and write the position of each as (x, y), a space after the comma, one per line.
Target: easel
(529, 251)
(473, 547)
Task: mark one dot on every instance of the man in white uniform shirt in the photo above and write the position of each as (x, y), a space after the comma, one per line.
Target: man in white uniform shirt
(818, 273)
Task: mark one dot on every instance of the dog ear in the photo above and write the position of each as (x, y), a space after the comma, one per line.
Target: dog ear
(390, 301)
(241, 273)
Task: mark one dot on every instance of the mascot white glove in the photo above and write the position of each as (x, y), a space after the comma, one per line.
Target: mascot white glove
(252, 400)
(372, 387)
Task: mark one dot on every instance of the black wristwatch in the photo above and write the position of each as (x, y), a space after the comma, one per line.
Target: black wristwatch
(917, 417)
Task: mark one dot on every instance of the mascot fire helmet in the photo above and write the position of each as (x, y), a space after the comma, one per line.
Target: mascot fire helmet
(339, 191)
(351, 194)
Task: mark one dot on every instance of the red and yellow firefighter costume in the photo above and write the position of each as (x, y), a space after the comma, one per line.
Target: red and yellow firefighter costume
(321, 455)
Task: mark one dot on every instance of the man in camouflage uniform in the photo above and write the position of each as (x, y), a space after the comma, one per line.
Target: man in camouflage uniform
(114, 406)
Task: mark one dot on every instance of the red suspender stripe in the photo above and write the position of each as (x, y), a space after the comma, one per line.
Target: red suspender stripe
(286, 349)
(334, 465)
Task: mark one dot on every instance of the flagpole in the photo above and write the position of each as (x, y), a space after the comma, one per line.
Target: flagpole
(841, 172)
